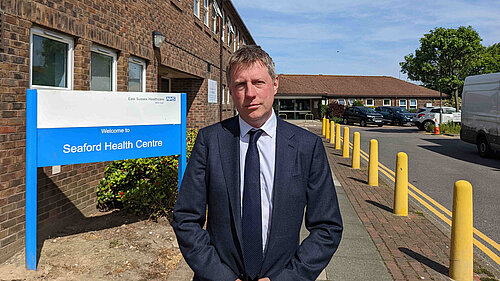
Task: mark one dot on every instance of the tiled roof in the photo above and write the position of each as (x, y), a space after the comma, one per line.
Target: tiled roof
(350, 86)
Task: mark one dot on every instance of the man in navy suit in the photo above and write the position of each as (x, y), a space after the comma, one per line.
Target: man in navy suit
(257, 175)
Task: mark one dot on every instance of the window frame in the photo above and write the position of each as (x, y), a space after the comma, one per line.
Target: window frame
(143, 75)
(405, 103)
(70, 56)
(372, 103)
(206, 18)
(107, 52)
(341, 101)
(196, 8)
(351, 101)
(215, 17)
(384, 100)
(413, 106)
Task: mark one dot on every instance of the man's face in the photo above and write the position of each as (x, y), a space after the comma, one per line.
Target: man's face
(253, 92)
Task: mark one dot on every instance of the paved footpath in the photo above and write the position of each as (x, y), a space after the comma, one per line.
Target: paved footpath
(376, 244)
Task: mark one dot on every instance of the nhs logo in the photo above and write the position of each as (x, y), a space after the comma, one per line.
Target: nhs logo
(170, 98)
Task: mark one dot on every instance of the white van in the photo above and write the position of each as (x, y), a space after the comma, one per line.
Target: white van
(481, 112)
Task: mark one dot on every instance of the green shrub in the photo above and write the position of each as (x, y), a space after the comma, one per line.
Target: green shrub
(430, 129)
(450, 128)
(337, 120)
(145, 186)
(358, 103)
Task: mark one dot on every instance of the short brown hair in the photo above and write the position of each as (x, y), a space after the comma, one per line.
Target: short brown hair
(249, 54)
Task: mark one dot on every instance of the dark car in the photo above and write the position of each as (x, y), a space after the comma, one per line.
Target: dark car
(395, 115)
(362, 115)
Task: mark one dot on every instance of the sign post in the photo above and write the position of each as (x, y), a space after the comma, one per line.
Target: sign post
(74, 127)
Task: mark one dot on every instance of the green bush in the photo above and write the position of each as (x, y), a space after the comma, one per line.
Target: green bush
(337, 120)
(146, 186)
(358, 103)
(430, 129)
(450, 128)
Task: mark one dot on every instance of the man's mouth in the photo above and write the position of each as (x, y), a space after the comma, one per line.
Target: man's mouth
(253, 106)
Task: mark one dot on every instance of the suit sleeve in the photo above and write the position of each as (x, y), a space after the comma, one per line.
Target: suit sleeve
(190, 215)
(322, 219)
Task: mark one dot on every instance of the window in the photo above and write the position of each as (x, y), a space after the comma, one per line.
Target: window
(136, 75)
(402, 103)
(235, 45)
(387, 102)
(223, 93)
(413, 104)
(215, 17)
(341, 101)
(197, 8)
(350, 101)
(206, 5)
(230, 32)
(228, 96)
(369, 102)
(223, 26)
(51, 59)
(238, 41)
(102, 69)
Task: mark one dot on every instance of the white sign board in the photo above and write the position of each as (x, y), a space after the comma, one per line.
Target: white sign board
(212, 91)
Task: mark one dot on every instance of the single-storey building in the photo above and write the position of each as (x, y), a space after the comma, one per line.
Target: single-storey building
(107, 45)
(299, 95)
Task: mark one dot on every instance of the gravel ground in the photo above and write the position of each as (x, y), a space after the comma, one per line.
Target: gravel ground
(106, 246)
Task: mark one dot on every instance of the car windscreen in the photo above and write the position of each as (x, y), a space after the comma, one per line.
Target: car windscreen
(367, 110)
(401, 110)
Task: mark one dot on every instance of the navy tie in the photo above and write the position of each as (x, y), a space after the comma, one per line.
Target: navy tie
(252, 213)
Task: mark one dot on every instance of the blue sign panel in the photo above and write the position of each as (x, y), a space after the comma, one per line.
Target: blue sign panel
(62, 146)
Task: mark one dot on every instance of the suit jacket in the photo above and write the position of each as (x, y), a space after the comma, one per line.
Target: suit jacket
(302, 182)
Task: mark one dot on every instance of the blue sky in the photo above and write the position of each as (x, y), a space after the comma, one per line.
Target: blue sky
(357, 37)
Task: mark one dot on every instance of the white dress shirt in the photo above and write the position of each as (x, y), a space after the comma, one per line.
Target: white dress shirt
(266, 145)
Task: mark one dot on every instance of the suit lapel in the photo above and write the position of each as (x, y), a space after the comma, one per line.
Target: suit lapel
(285, 157)
(229, 149)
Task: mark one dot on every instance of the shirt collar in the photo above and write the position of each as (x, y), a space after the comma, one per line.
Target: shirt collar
(269, 126)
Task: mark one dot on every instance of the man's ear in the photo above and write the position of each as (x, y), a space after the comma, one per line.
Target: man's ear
(276, 84)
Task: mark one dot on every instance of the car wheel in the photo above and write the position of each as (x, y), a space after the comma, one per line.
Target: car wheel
(420, 127)
(345, 121)
(427, 125)
(362, 123)
(483, 147)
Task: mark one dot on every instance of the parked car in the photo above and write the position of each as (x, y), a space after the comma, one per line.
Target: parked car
(425, 117)
(395, 115)
(362, 115)
(481, 110)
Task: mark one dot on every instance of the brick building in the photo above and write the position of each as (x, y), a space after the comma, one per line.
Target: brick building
(299, 95)
(101, 45)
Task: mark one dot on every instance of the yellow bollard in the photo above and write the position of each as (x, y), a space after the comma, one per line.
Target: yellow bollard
(337, 136)
(356, 151)
(324, 127)
(373, 164)
(332, 132)
(401, 185)
(345, 150)
(461, 252)
(327, 131)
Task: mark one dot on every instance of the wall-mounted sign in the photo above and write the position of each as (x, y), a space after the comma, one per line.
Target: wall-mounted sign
(73, 127)
(212, 91)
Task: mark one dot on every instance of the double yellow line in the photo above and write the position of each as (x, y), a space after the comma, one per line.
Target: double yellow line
(443, 213)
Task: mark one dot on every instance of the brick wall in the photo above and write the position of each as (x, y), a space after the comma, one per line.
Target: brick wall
(123, 26)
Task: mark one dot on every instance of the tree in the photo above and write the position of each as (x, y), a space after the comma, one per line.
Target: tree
(445, 57)
(491, 59)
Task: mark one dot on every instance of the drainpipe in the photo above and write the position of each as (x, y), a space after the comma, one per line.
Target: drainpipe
(221, 56)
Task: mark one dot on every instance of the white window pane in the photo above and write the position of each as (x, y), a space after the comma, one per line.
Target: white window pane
(101, 72)
(50, 62)
(134, 77)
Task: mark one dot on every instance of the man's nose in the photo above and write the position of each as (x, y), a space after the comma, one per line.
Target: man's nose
(250, 91)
